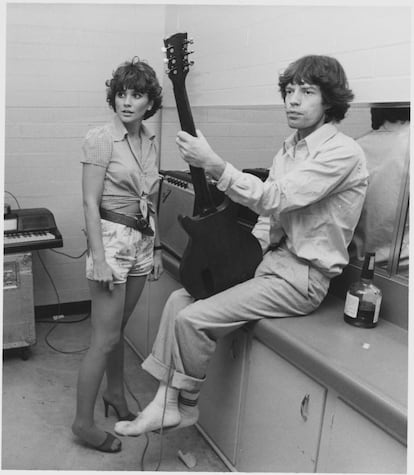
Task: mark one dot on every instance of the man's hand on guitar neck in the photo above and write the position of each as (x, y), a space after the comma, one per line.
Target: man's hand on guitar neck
(197, 152)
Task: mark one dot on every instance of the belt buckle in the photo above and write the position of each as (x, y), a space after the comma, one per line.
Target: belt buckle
(143, 225)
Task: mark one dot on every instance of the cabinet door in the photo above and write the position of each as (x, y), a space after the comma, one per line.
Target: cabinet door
(142, 326)
(159, 291)
(220, 398)
(282, 416)
(136, 331)
(351, 443)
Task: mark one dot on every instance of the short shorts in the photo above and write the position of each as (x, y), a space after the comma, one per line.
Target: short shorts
(127, 251)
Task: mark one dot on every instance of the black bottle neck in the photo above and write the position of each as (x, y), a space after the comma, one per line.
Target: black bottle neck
(368, 268)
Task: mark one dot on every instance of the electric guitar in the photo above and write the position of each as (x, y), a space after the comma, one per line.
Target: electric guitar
(220, 253)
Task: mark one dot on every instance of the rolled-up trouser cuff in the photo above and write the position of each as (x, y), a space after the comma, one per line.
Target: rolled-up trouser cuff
(188, 383)
(160, 371)
(156, 368)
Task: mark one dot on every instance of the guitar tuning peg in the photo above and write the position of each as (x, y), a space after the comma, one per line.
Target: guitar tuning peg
(164, 49)
(166, 60)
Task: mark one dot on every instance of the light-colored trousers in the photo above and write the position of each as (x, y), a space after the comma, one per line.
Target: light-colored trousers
(283, 286)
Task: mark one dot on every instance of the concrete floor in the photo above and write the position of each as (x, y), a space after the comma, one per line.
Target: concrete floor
(38, 408)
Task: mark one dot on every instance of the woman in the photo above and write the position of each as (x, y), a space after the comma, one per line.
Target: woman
(120, 178)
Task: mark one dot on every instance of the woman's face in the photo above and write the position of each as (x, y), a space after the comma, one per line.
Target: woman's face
(131, 106)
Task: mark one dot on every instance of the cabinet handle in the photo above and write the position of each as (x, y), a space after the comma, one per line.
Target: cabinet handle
(304, 407)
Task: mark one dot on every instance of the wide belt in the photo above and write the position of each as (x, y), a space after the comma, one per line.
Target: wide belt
(137, 222)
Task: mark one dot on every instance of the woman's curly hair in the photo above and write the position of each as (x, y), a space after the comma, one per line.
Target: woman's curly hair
(139, 76)
(325, 72)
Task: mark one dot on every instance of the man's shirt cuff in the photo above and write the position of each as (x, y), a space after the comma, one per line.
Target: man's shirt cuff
(228, 177)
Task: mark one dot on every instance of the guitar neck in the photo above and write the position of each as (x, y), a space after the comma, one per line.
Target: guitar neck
(204, 202)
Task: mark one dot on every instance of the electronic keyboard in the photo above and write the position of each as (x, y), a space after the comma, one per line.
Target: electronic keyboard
(30, 229)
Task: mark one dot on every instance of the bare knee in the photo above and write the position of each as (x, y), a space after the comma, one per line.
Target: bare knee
(106, 342)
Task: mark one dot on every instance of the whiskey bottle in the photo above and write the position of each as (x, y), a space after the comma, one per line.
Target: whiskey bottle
(363, 299)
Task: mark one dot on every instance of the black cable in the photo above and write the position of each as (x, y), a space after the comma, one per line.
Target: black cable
(59, 323)
(58, 313)
(51, 281)
(68, 255)
(15, 199)
(142, 465)
(162, 420)
(135, 398)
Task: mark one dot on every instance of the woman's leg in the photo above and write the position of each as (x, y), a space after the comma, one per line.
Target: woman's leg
(106, 321)
(114, 392)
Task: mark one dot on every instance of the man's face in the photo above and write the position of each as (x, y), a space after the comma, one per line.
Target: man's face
(304, 107)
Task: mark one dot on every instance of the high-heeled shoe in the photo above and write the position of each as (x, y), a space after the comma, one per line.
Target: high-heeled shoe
(129, 417)
(111, 444)
(107, 445)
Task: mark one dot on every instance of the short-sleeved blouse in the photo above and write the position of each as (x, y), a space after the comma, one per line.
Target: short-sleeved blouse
(129, 177)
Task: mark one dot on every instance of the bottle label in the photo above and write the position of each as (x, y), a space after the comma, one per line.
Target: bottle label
(377, 309)
(351, 305)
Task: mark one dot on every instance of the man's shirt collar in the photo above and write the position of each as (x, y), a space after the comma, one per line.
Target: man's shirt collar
(313, 141)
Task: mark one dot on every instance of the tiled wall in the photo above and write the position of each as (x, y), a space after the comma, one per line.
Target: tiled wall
(239, 50)
(58, 56)
(247, 136)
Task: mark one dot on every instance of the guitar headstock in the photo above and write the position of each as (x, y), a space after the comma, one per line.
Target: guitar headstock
(176, 49)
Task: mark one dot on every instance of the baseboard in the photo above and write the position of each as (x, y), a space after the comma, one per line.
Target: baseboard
(68, 308)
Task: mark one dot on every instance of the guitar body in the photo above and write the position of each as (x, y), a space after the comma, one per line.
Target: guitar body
(220, 252)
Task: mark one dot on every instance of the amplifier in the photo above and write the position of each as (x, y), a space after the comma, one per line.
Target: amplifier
(177, 198)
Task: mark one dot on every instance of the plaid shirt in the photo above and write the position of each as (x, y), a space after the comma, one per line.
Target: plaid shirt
(129, 177)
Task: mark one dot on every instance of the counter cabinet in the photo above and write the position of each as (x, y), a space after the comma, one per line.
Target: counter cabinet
(291, 396)
(282, 420)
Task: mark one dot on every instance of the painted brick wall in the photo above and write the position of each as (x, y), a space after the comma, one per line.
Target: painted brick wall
(246, 136)
(239, 50)
(58, 58)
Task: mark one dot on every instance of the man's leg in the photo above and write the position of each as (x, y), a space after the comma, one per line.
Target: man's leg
(189, 330)
(154, 416)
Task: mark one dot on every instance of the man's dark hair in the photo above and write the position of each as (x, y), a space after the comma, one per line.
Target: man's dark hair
(139, 76)
(391, 114)
(329, 75)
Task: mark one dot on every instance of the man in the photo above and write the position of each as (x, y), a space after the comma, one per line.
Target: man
(312, 198)
(387, 150)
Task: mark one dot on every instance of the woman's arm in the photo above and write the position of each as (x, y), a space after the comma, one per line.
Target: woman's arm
(158, 267)
(92, 186)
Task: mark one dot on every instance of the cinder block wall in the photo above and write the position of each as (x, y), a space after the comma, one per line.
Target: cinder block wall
(59, 55)
(58, 58)
(240, 50)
